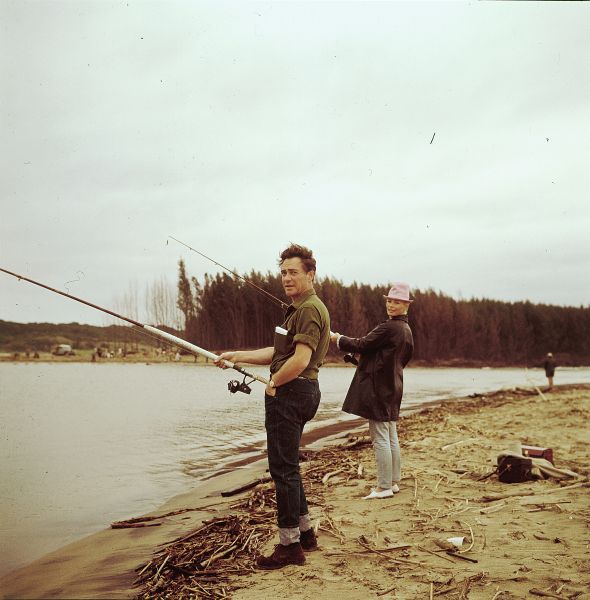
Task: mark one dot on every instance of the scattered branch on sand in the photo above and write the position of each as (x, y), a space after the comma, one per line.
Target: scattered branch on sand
(362, 540)
(384, 592)
(245, 487)
(332, 529)
(127, 525)
(464, 585)
(445, 545)
(141, 521)
(447, 446)
(537, 592)
(327, 476)
(434, 553)
(493, 509)
(461, 556)
(472, 538)
(494, 497)
(355, 442)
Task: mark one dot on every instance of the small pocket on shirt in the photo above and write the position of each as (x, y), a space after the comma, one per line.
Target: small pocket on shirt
(283, 340)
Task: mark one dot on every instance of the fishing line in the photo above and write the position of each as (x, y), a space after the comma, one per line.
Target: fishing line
(269, 296)
(280, 303)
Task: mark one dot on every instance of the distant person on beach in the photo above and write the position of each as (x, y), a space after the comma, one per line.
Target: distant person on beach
(549, 366)
(376, 389)
(291, 400)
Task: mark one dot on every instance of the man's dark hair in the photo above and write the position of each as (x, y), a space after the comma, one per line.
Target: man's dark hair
(297, 251)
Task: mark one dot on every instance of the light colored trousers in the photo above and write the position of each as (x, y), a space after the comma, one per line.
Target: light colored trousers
(387, 452)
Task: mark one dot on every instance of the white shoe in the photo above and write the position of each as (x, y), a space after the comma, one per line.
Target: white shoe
(395, 488)
(376, 494)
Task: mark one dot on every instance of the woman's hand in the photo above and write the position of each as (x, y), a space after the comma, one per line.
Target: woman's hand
(334, 337)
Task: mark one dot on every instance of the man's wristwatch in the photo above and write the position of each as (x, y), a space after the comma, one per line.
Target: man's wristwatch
(271, 384)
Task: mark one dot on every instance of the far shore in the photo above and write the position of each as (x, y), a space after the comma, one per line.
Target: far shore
(143, 357)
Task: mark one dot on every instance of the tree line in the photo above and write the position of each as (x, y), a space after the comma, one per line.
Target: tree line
(221, 312)
(224, 312)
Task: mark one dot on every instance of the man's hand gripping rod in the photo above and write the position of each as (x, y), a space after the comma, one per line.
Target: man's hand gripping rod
(233, 386)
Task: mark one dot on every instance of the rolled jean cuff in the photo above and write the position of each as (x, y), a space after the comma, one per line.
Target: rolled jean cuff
(288, 535)
(304, 522)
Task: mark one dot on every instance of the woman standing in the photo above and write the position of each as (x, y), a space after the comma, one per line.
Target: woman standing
(376, 390)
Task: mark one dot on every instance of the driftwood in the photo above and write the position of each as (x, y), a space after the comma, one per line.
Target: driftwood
(365, 544)
(327, 476)
(494, 497)
(434, 553)
(142, 521)
(537, 592)
(465, 585)
(245, 487)
(458, 443)
(128, 525)
(461, 556)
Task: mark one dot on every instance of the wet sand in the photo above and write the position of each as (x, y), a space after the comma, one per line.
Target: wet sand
(535, 538)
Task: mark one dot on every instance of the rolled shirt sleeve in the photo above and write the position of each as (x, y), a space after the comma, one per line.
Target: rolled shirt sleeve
(308, 327)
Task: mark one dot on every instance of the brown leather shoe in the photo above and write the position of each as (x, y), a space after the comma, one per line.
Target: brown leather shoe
(309, 541)
(282, 556)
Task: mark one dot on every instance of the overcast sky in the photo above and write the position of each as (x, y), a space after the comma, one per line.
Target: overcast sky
(445, 144)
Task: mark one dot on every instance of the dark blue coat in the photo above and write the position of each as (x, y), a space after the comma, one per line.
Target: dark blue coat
(377, 386)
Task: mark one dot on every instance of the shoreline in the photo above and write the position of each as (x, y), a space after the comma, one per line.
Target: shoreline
(123, 549)
(83, 357)
(103, 564)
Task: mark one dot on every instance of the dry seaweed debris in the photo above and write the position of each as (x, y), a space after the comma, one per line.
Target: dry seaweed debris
(202, 562)
(206, 562)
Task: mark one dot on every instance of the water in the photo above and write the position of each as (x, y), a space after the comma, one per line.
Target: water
(82, 445)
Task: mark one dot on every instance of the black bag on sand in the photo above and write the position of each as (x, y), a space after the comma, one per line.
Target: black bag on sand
(514, 469)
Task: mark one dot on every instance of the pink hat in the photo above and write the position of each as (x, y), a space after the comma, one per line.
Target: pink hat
(399, 291)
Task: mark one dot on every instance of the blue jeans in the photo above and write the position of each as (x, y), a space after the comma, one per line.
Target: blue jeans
(387, 452)
(286, 414)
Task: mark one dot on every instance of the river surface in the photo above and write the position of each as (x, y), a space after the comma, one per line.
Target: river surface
(82, 445)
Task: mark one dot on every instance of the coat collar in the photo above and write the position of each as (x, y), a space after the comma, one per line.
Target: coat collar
(399, 318)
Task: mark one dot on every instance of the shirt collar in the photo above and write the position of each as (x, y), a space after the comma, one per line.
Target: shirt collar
(304, 297)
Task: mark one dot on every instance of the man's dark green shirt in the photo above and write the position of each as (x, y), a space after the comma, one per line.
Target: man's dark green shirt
(307, 321)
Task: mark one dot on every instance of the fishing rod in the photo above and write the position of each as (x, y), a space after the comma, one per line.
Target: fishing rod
(276, 300)
(233, 386)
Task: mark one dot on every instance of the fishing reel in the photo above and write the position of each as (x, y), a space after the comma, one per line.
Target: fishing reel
(351, 358)
(236, 386)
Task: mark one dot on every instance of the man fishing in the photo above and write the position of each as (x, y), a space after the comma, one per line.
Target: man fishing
(291, 399)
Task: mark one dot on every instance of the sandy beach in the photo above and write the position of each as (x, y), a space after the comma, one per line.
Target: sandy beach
(520, 540)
